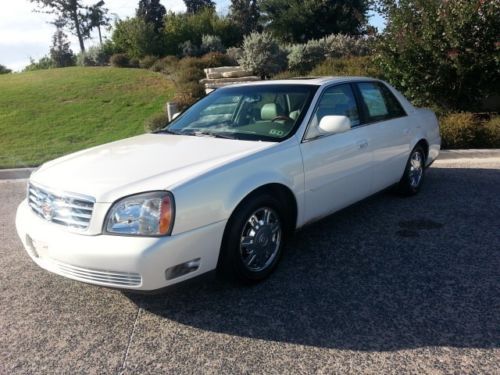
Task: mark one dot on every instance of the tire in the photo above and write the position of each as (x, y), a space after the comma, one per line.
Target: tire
(414, 173)
(258, 230)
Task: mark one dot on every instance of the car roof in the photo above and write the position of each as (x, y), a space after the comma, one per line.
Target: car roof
(317, 81)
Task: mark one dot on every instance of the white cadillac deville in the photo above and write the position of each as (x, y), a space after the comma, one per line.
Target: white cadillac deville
(225, 184)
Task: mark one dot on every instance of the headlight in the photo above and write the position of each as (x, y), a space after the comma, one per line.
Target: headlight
(147, 214)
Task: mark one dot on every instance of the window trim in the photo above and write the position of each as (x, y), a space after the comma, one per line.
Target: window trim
(364, 108)
(316, 105)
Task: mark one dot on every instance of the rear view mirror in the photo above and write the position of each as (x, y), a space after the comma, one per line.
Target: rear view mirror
(334, 124)
(175, 115)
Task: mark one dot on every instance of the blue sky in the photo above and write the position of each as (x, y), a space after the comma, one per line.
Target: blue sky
(25, 34)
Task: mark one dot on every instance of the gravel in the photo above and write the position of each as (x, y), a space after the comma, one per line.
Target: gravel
(389, 285)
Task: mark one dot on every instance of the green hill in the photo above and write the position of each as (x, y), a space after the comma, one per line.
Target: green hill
(48, 113)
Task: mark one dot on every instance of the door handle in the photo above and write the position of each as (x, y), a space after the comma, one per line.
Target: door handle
(362, 144)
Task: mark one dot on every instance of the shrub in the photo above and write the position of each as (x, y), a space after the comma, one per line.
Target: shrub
(467, 130)
(156, 122)
(304, 57)
(44, 63)
(134, 62)
(211, 43)
(287, 74)
(4, 69)
(94, 56)
(189, 49)
(137, 38)
(188, 74)
(187, 94)
(119, 60)
(347, 66)
(442, 52)
(339, 45)
(166, 65)
(235, 53)
(262, 54)
(147, 61)
(215, 59)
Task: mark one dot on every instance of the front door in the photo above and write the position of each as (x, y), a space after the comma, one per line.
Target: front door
(337, 167)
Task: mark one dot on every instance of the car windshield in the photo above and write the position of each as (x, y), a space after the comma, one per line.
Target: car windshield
(259, 112)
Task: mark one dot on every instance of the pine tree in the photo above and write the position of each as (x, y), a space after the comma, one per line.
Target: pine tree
(151, 11)
(60, 52)
(194, 6)
(245, 14)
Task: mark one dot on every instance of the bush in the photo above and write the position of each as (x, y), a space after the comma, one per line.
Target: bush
(189, 49)
(235, 53)
(187, 94)
(166, 65)
(348, 66)
(156, 122)
(4, 69)
(287, 74)
(44, 63)
(339, 45)
(442, 52)
(134, 62)
(467, 130)
(147, 61)
(137, 38)
(94, 56)
(211, 43)
(119, 60)
(304, 57)
(262, 54)
(188, 74)
(215, 59)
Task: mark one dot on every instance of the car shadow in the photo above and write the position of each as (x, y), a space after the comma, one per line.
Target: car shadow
(388, 273)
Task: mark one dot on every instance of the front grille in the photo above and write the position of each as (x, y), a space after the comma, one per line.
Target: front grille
(111, 278)
(66, 209)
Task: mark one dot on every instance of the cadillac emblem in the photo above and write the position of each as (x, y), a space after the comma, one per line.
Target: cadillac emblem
(47, 209)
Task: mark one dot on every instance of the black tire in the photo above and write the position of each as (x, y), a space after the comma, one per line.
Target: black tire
(410, 183)
(232, 258)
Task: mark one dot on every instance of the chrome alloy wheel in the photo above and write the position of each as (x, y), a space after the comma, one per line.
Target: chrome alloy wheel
(260, 239)
(416, 169)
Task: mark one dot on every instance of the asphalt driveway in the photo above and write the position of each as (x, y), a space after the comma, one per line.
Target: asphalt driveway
(389, 285)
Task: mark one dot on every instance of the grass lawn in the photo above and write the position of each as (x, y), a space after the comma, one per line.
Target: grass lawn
(49, 113)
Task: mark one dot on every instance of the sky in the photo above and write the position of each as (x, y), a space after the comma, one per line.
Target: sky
(25, 34)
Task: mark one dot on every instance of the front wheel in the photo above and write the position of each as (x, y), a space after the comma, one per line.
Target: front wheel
(254, 240)
(413, 176)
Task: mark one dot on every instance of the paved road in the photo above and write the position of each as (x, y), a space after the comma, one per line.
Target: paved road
(390, 285)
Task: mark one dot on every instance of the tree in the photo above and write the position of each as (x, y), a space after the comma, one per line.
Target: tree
(98, 18)
(4, 69)
(151, 11)
(60, 53)
(443, 53)
(245, 14)
(300, 20)
(137, 38)
(72, 12)
(195, 6)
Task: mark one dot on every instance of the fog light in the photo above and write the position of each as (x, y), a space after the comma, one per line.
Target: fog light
(182, 269)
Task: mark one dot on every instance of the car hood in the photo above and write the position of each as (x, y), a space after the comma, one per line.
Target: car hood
(143, 163)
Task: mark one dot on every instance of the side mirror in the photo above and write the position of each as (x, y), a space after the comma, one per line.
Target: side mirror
(175, 115)
(334, 124)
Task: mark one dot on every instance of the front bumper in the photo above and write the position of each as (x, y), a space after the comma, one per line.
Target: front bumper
(125, 262)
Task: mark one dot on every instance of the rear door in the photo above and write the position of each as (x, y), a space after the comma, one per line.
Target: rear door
(337, 167)
(390, 132)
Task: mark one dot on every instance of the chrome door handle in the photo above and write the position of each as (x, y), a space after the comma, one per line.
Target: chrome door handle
(363, 144)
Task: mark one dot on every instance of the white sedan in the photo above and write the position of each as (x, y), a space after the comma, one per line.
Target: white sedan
(225, 184)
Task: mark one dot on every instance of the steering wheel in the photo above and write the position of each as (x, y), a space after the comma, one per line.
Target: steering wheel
(281, 117)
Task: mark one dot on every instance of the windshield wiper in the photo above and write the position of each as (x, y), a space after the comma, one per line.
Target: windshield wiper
(205, 133)
(168, 131)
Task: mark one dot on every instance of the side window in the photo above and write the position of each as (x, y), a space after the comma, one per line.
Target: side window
(337, 100)
(380, 103)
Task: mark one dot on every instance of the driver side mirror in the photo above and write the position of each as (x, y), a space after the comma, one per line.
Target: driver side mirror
(334, 124)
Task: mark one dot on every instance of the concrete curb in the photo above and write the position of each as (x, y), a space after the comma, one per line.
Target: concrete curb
(15, 173)
(448, 155)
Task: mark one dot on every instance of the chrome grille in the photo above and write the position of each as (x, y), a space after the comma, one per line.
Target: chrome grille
(66, 209)
(111, 278)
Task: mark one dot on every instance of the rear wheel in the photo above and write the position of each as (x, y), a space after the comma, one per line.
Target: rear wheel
(254, 239)
(413, 176)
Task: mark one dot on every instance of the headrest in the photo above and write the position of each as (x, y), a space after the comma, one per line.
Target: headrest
(269, 111)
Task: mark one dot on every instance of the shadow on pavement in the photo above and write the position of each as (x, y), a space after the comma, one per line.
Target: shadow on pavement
(389, 273)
